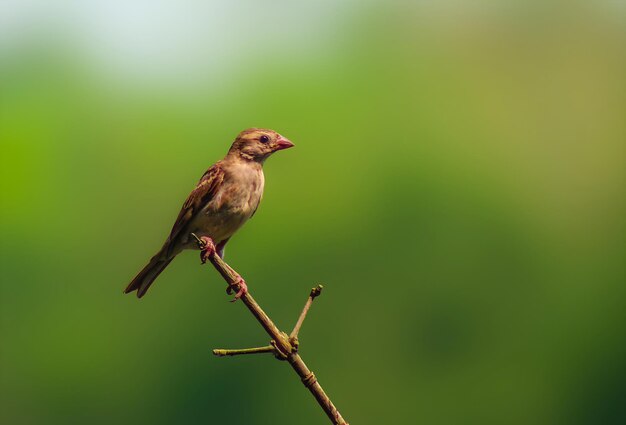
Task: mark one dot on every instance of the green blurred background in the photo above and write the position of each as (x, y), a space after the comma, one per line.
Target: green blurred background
(457, 185)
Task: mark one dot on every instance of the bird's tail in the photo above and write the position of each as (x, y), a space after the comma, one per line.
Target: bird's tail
(144, 279)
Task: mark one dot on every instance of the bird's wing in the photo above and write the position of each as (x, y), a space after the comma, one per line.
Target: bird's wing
(198, 198)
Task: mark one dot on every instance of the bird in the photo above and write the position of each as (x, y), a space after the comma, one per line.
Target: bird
(224, 199)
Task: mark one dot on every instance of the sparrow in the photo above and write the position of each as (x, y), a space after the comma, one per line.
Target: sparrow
(227, 195)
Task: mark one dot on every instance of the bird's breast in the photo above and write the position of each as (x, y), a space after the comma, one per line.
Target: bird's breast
(234, 203)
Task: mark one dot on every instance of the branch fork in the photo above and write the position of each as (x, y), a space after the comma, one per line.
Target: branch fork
(282, 346)
(274, 347)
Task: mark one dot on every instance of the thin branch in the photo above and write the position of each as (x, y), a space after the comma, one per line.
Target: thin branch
(285, 349)
(315, 292)
(220, 352)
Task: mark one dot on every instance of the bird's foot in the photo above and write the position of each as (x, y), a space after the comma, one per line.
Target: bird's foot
(243, 288)
(207, 248)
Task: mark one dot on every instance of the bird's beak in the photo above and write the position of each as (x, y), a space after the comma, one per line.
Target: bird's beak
(283, 143)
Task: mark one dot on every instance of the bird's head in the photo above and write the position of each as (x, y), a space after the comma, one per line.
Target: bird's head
(257, 144)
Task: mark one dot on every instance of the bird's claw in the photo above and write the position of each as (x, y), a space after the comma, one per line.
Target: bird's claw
(243, 288)
(207, 248)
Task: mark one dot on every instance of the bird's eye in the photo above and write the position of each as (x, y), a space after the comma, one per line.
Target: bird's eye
(264, 139)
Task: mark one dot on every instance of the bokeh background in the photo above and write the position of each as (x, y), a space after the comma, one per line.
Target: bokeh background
(457, 185)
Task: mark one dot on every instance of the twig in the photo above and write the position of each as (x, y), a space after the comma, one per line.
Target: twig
(283, 346)
(315, 292)
(257, 350)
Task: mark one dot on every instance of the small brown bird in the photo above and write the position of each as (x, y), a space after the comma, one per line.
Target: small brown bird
(226, 196)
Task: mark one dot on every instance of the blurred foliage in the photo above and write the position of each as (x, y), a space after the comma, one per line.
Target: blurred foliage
(457, 185)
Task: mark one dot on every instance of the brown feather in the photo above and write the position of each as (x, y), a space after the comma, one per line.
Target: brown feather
(203, 193)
